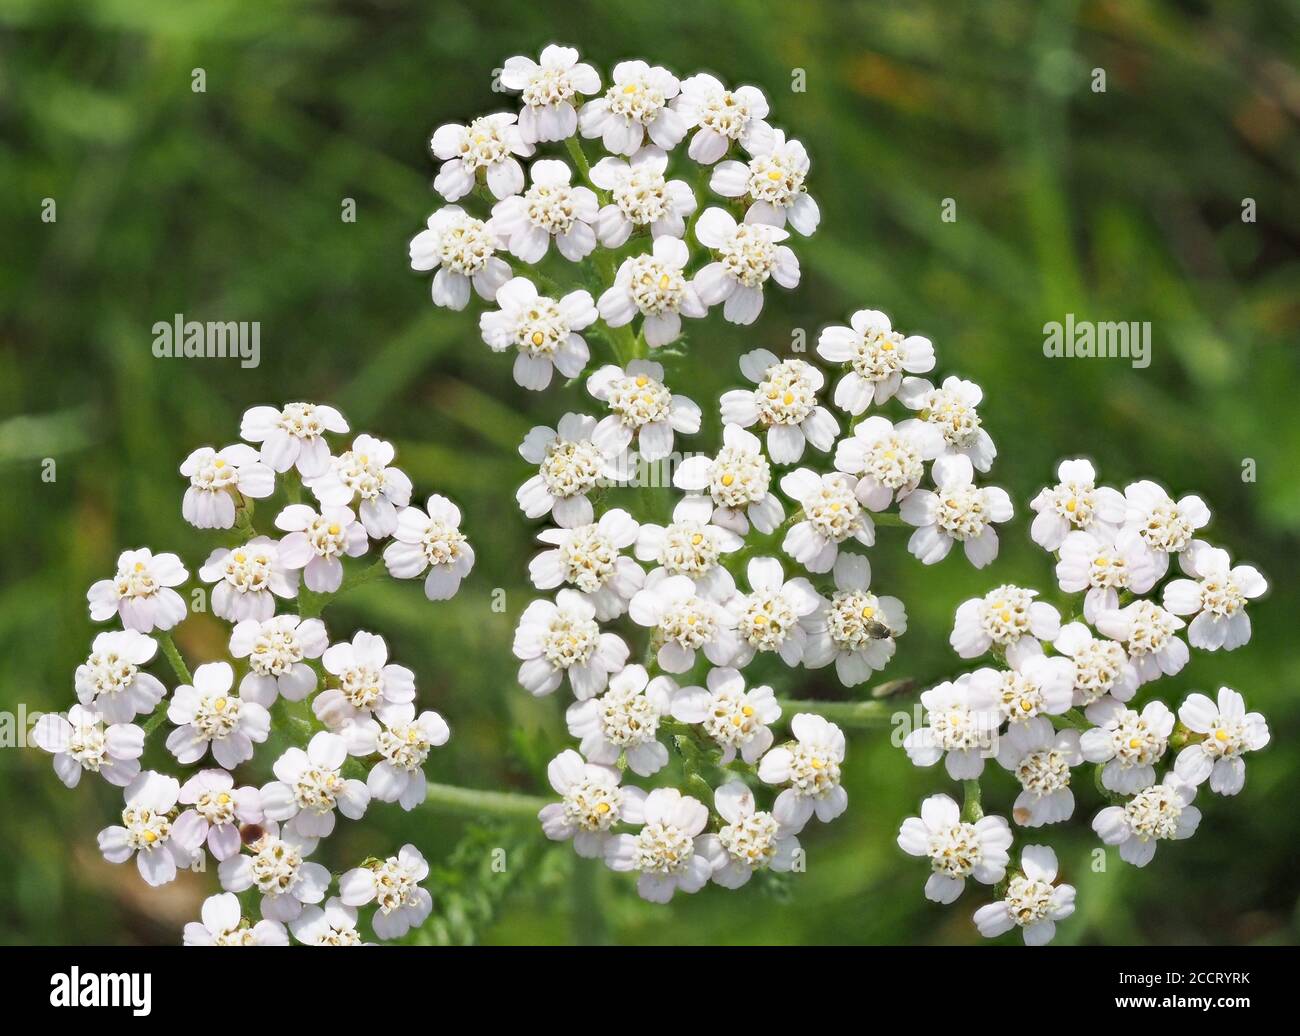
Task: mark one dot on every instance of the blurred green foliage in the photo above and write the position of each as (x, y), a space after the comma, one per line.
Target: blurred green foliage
(1122, 205)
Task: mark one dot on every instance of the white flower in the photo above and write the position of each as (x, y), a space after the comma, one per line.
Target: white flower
(1032, 902)
(640, 197)
(592, 802)
(1161, 812)
(1075, 502)
(367, 683)
(404, 744)
(491, 144)
(394, 885)
(555, 639)
(684, 622)
(248, 579)
(277, 866)
(573, 458)
(668, 852)
(1228, 731)
(80, 741)
(316, 541)
(1035, 686)
(751, 839)
(209, 714)
(739, 480)
(1130, 743)
(877, 355)
(951, 408)
(146, 831)
(855, 628)
(216, 478)
(747, 255)
(110, 683)
(636, 104)
(1150, 634)
(141, 593)
(275, 649)
(293, 436)
(958, 512)
(624, 721)
(1101, 667)
(957, 849)
(550, 86)
(642, 407)
(542, 330)
(773, 181)
(691, 545)
(737, 719)
(784, 402)
(1104, 565)
(1008, 617)
(961, 723)
(217, 810)
(654, 285)
(1216, 594)
(366, 471)
(431, 540)
(774, 615)
(831, 515)
(810, 765)
(551, 208)
(1041, 758)
(888, 459)
(335, 925)
(1166, 527)
(310, 787)
(588, 557)
(723, 116)
(223, 924)
(462, 250)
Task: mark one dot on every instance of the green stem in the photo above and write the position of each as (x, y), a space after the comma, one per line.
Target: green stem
(971, 809)
(579, 157)
(174, 658)
(1073, 718)
(479, 805)
(864, 714)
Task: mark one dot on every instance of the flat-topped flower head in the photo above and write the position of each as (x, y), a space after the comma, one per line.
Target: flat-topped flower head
(1034, 686)
(1006, 619)
(854, 628)
(573, 459)
(668, 853)
(317, 541)
(739, 480)
(1076, 502)
(277, 649)
(1162, 812)
(961, 727)
(223, 924)
(1227, 732)
(624, 721)
(722, 117)
(1104, 565)
(957, 849)
(81, 743)
(952, 409)
(248, 579)
(365, 682)
(749, 840)
(654, 285)
(887, 459)
(692, 545)
(393, 885)
(1216, 594)
(809, 766)
(219, 480)
(1130, 743)
(640, 197)
(147, 831)
(551, 208)
(957, 511)
(216, 811)
(1101, 666)
(773, 182)
(333, 925)
(590, 559)
(636, 105)
(748, 255)
(490, 145)
(683, 622)
(109, 682)
(310, 786)
(276, 865)
(561, 638)
(365, 472)
(784, 401)
(543, 331)
(831, 516)
(1040, 758)
(1166, 527)
(430, 541)
(592, 802)
(463, 252)
(1150, 633)
(1033, 902)
(738, 720)
(293, 436)
(141, 593)
(552, 87)
(774, 615)
(878, 357)
(643, 408)
(209, 715)
(403, 743)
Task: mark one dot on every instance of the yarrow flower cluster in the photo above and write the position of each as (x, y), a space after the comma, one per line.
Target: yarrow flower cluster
(344, 717)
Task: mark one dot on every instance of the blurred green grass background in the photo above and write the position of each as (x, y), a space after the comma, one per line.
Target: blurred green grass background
(1122, 205)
